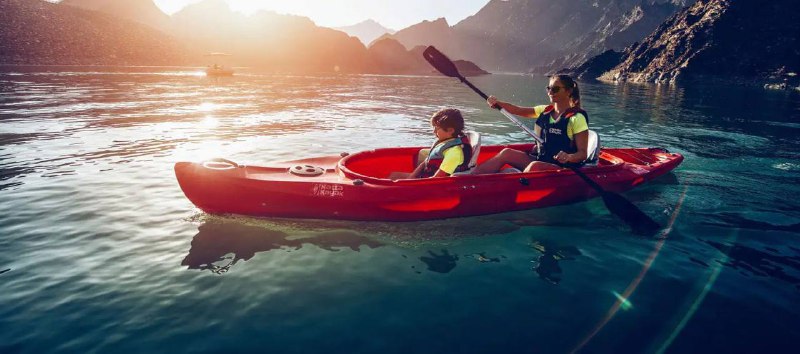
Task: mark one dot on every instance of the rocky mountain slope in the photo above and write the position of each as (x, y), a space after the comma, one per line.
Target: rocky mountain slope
(715, 39)
(39, 32)
(142, 11)
(542, 35)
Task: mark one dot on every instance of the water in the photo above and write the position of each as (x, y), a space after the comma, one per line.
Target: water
(101, 252)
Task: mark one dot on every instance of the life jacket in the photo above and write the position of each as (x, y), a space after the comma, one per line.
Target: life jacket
(436, 156)
(555, 134)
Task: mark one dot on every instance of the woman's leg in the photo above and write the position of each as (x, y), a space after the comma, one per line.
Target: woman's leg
(512, 157)
(399, 175)
(540, 166)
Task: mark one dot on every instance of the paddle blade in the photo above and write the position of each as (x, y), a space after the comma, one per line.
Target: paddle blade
(441, 62)
(630, 214)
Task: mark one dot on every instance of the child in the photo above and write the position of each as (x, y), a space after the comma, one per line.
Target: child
(450, 153)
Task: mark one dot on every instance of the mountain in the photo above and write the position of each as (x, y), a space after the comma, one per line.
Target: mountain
(39, 32)
(287, 43)
(388, 56)
(86, 32)
(425, 33)
(366, 31)
(142, 11)
(542, 35)
(630, 27)
(268, 40)
(717, 39)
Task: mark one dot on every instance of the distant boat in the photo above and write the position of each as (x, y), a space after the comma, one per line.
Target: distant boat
(217, 68)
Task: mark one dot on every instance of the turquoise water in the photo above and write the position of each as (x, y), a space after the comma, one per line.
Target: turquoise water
(101, 252)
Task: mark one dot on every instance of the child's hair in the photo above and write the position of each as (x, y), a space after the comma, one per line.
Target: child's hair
(449, 118)
(569, 83)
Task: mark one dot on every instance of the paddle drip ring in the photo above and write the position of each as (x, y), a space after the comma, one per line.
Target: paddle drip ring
(306, 170)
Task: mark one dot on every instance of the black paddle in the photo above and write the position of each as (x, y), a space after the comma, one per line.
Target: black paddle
(617, 204)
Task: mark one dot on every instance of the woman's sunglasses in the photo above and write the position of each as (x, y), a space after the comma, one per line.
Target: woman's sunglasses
(553, 89)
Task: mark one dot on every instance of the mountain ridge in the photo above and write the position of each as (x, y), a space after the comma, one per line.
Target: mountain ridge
(72, 35)
(367, 31)
(713, 39)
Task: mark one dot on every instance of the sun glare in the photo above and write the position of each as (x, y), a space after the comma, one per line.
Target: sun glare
(209, 122)
(249, 7)
(322, 12)
(206, 107)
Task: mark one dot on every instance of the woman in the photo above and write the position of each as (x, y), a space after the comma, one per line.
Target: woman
(563, 126)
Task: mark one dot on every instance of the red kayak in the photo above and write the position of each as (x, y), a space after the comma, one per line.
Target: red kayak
(355, 187)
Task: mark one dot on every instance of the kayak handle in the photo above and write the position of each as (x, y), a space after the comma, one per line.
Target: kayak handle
(221, 160)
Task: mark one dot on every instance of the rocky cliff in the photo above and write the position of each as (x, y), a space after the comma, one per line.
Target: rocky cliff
(542, 35)
(142, 11)
(39, 32)
(727, 39)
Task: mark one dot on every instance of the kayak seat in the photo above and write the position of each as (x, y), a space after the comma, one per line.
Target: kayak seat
(474, 142)
(593, 149)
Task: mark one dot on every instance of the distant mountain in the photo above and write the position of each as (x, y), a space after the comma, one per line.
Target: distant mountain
(269, 40)
(366, 31)
(424, 33)
(542, 35)
(390, 57)
(716, 39)
(39, 32)
(287, 43)
(142, 11)
(87, 32)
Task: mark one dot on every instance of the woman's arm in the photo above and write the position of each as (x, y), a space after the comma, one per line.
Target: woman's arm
(582, 142)
(528, 112)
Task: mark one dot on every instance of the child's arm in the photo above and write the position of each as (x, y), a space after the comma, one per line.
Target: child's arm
(440, 173)
(418, 171)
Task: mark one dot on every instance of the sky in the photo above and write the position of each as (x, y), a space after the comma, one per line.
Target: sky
(395, 14)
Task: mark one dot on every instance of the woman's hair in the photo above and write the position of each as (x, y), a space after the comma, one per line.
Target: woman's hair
(449, 118)
(570, 84)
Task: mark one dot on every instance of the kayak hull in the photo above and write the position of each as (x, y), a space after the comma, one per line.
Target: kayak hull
(356, 188)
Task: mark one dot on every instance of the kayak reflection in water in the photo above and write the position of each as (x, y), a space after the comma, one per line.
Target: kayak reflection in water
(449, 154)
(563, 126)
